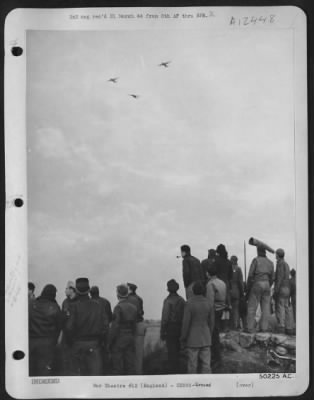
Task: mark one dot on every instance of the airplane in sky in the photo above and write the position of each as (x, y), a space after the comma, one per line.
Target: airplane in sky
(164, 64)
(113, 80)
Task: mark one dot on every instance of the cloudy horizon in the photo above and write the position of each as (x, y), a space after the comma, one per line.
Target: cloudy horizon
(204, 156)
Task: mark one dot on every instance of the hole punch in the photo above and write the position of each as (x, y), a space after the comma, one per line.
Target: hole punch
(18, 202)
(17, 51)
(18, 355)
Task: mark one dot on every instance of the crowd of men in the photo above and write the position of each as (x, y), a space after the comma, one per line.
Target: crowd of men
(95, 340)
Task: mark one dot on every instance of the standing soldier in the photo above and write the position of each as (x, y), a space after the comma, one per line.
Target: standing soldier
(45, 320)
(237, 292)
(208, 261)
(86, 327)
(260, 279)
(293, 293)
(216, 293)
(122, 334)
(140, 331)
(282, 291)
(197, 328)
(192, 270)
(171, 321)
(225, 273)
(66, 343)
(106, 309)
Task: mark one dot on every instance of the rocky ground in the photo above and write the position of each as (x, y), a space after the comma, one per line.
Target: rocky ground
(241, 353)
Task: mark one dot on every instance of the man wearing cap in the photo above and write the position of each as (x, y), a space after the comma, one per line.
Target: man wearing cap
(122, 334)
(208, 261)
(260, 279)
(171, 323)
(86, 328)
(45, 321)
(197, 328)
(192, 270)
(137, 301)
(216, 294)
(106, 308)
(237, 292)
(282, 292)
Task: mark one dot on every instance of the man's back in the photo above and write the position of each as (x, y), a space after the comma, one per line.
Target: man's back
(106, 307)
(224, 269)
(282, 277)
(87, 321)
(197, 320)
(206, 264)
(124, 320)
(262, 269)
(216, 293)
(172, 315)
(45, 318)
(137, 301)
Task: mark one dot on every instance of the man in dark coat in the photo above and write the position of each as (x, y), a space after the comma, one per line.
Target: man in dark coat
(122, 334)
(45, 321)
(225, 273)
(171, 323)
(197, 328)
(86, 328)
(192, 270)
(140, 331)
(208, 261)
(106, 308)
(237, 292)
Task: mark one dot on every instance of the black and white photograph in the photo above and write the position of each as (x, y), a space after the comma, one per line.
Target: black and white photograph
(165, 200)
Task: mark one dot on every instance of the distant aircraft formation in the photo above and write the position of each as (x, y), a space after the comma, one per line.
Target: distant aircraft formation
(164, 64)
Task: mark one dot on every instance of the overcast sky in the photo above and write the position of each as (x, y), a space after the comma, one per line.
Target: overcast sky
(204, 155)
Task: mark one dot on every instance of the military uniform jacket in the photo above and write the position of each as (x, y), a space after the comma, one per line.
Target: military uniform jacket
(282, 277)
(172, 315)
(45, 319)
(261, 269)
(124, 321)
(224, 270)
(198, 322)
(137, 301)
(87, 320)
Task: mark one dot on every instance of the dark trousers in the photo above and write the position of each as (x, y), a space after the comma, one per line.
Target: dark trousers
(123, 355)
(41, 356)
(86, 358)
(216, 354)
(173, 347)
